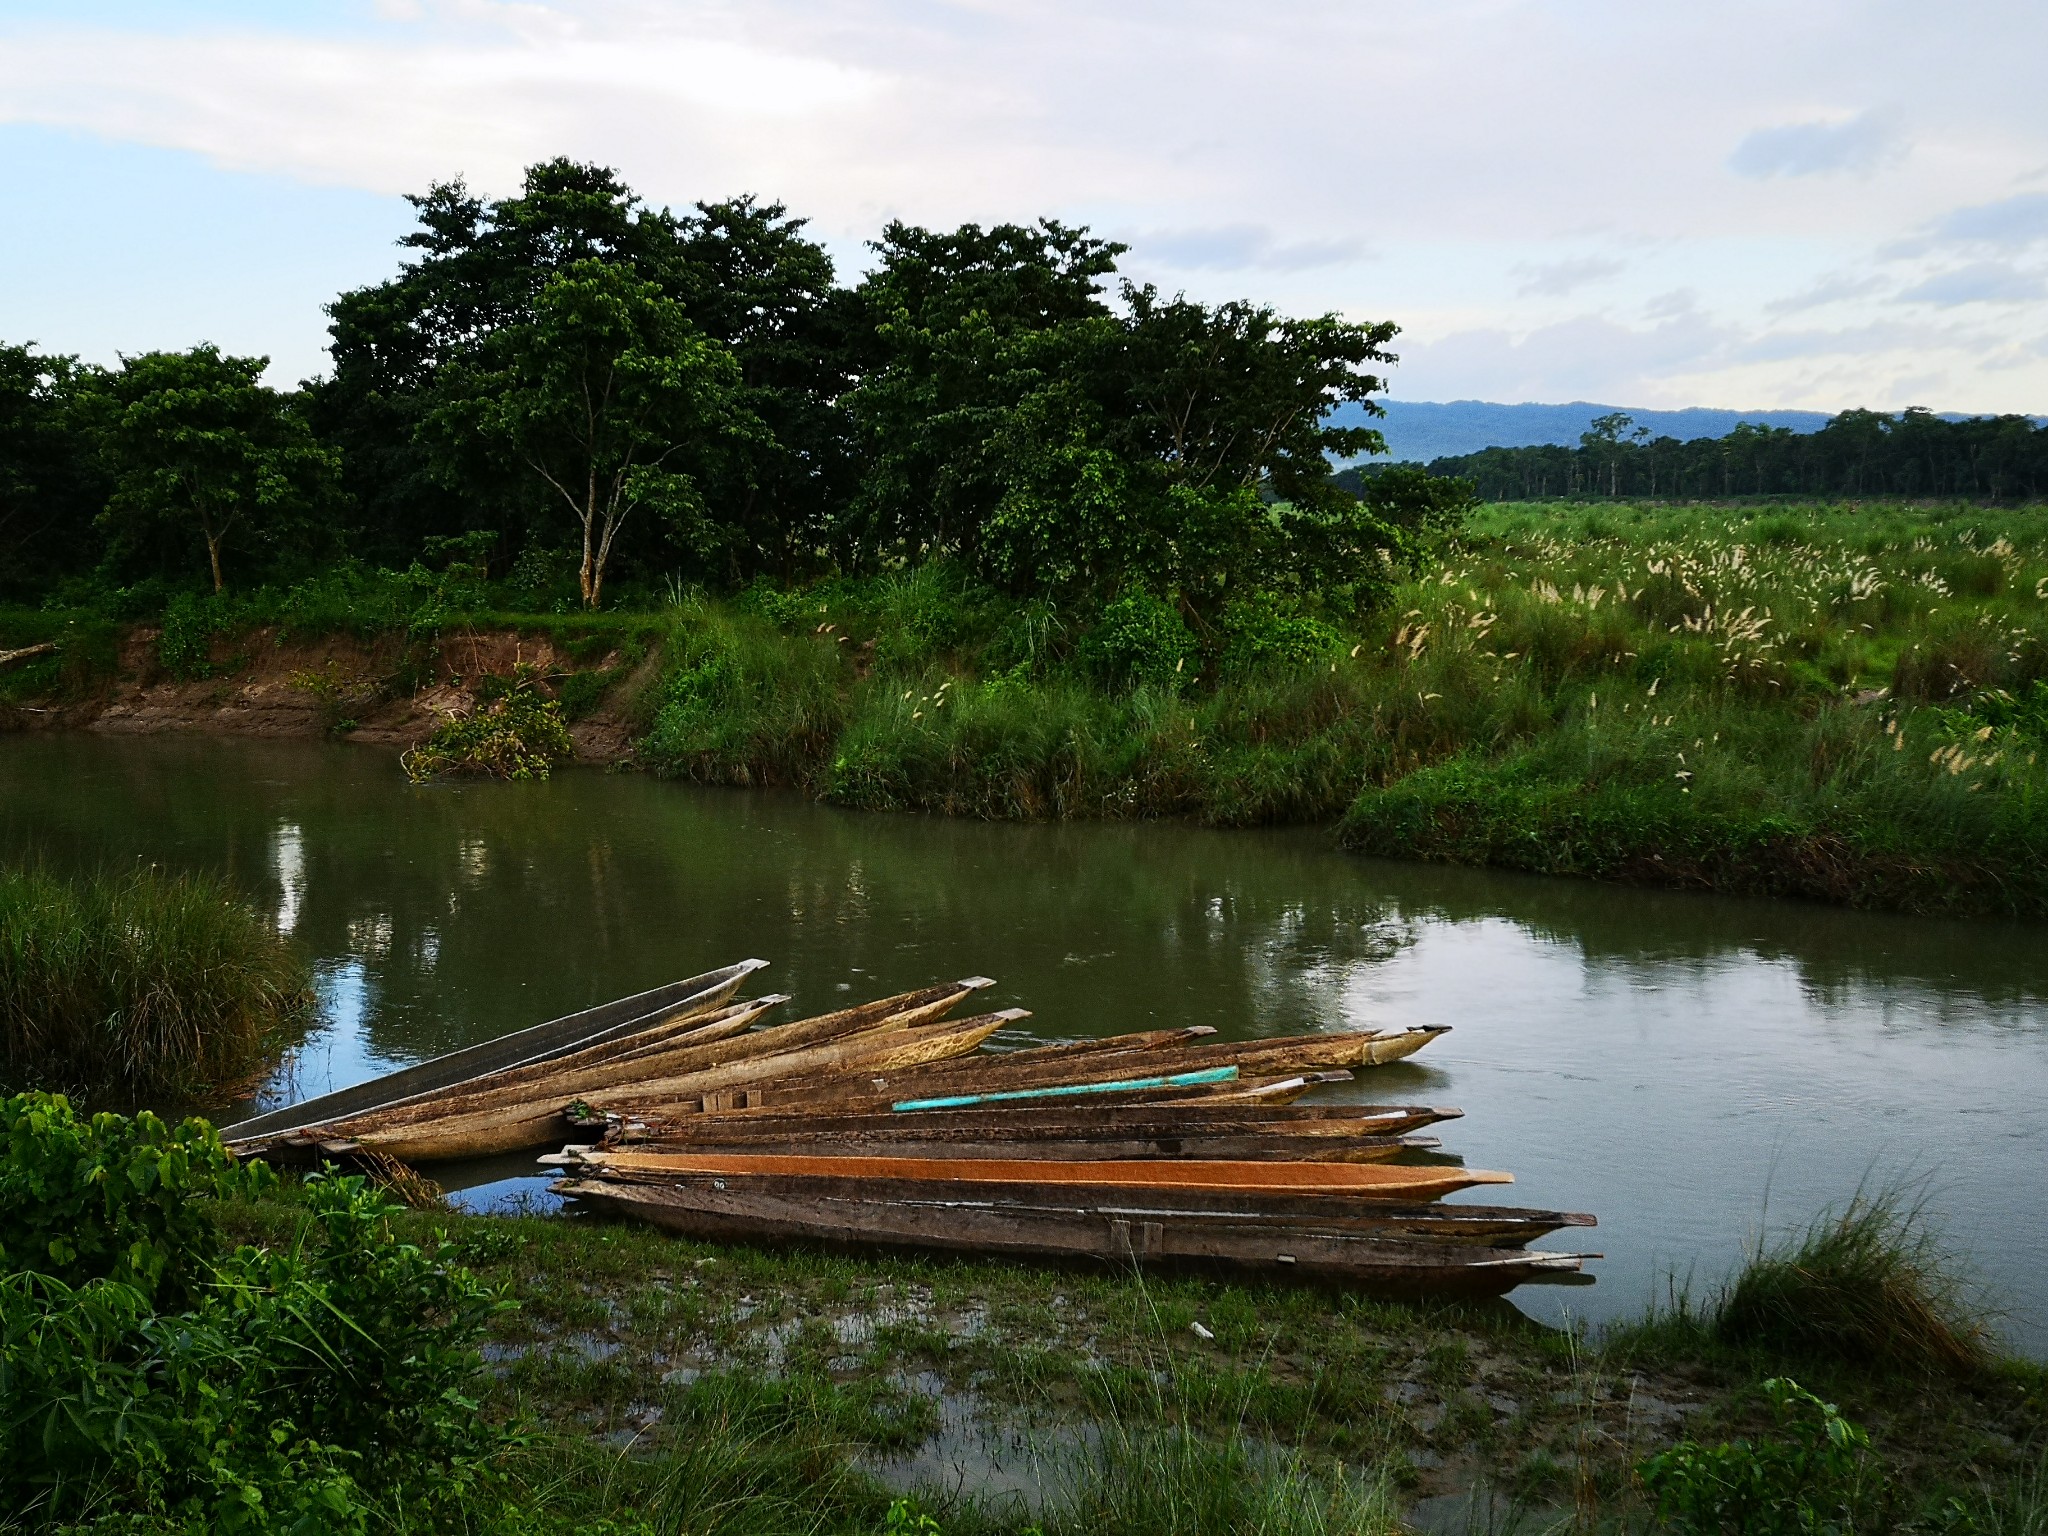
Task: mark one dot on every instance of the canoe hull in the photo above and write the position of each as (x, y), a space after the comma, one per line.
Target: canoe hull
(1380, 1261)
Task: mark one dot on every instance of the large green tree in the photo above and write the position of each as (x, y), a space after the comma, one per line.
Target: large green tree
(600, 396)
(51, 486)
(1060, 443)
(199, 447)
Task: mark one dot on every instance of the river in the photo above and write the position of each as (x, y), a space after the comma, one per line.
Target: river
(1693, 1069)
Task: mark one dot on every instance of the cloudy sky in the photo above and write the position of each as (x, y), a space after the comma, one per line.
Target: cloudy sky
(1818, 203)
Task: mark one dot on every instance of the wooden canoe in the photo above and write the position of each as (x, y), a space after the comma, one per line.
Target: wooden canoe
(466, 1130)
(1077, 1146)
(1432, 1221)
(1196, 1118)
(1375, 1260)
(678, 1056)
(986, 1073)
(679, 999)
(829, 1097)
(1365, 1181)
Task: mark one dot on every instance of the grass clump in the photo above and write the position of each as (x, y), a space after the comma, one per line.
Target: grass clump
(144, 986)
(1867, 1287)
(515, 732)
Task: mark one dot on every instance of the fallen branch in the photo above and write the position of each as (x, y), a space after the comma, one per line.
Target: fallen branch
(45, 649)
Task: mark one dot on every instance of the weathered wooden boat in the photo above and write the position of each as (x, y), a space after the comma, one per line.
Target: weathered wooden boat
(1222, 1087)
(658, 1055)
(1140, 1119)
(994, 1072)
(1385, 1259)
(678, 1001)
(1084, 1144)
(1363, 1181)
(1428, 1221)
(461, 1127)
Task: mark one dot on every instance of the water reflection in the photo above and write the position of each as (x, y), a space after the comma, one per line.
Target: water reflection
(1657, 1057)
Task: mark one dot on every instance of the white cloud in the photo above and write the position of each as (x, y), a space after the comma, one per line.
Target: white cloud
(1857, 144)
(2009, 222)
(1554, 279)
(1470, 168)
(1981, 282)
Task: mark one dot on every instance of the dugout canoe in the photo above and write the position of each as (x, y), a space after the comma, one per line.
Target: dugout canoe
(1080, 1145)
(832, 1098)
(1198, 1117)
(1432, 1221)
(656, 1056)
(678, 1000)
(459, 1129)
(987, 1073)
(1380, 1260)
(1360, 1181)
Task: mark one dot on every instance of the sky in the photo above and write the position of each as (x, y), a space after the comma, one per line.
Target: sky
(1801, 203)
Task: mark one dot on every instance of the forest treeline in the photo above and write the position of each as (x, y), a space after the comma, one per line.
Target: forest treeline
(570, 380)
(1914, 454)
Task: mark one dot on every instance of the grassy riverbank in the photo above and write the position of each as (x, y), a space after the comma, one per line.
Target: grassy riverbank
(188, 1344)
(719, 1389)
(1848, 703)
(139, 988)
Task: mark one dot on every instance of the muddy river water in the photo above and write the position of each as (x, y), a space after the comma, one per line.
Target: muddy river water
(1695, 1070)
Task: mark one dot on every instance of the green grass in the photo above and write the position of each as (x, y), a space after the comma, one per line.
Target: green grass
(1868, 1286)
(142, 987)
(1306, 1411)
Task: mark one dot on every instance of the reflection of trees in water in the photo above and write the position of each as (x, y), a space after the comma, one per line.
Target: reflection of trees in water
(477, 908)
(1842, 956)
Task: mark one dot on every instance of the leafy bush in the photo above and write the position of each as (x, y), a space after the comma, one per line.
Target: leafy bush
(1139, 640)
(149, 1377)
(144, 986)
(110, 1198)
(184, 647)
(1263, 635)
(1810, 1479)
(515, 732)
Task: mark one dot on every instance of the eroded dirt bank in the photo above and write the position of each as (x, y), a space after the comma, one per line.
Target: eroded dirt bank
(386, 692)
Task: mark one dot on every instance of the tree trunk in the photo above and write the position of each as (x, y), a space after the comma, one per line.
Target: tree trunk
(587, 578)
(213, 555)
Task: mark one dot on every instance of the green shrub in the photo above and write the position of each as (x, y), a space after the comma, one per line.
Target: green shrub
(110, 1198)
(1140, 640)
(1261, 635)
(323, 1387)
(1812, 1477)
(514, 732)
(144, 986)
(184, 647)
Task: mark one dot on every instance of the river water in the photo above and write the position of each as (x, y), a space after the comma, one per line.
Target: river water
(1693, 1069)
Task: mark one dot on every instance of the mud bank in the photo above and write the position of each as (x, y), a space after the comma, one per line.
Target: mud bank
(386, 692)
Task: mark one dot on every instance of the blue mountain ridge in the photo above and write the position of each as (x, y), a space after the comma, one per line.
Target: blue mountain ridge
(1420, 430)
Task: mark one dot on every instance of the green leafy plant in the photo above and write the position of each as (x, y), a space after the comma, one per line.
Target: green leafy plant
(515, 732)
(111, 1198)
(1140, 639)
(1811, 1477)
(149, 1375)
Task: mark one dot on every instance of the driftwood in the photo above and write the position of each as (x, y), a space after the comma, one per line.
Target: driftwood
(47, 648)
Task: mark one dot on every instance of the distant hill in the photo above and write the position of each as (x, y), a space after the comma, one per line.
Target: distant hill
(1421, 430)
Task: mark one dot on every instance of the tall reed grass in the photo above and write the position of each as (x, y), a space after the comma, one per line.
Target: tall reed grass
(136, 988)
(1867, 1286)
(1842, 703)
